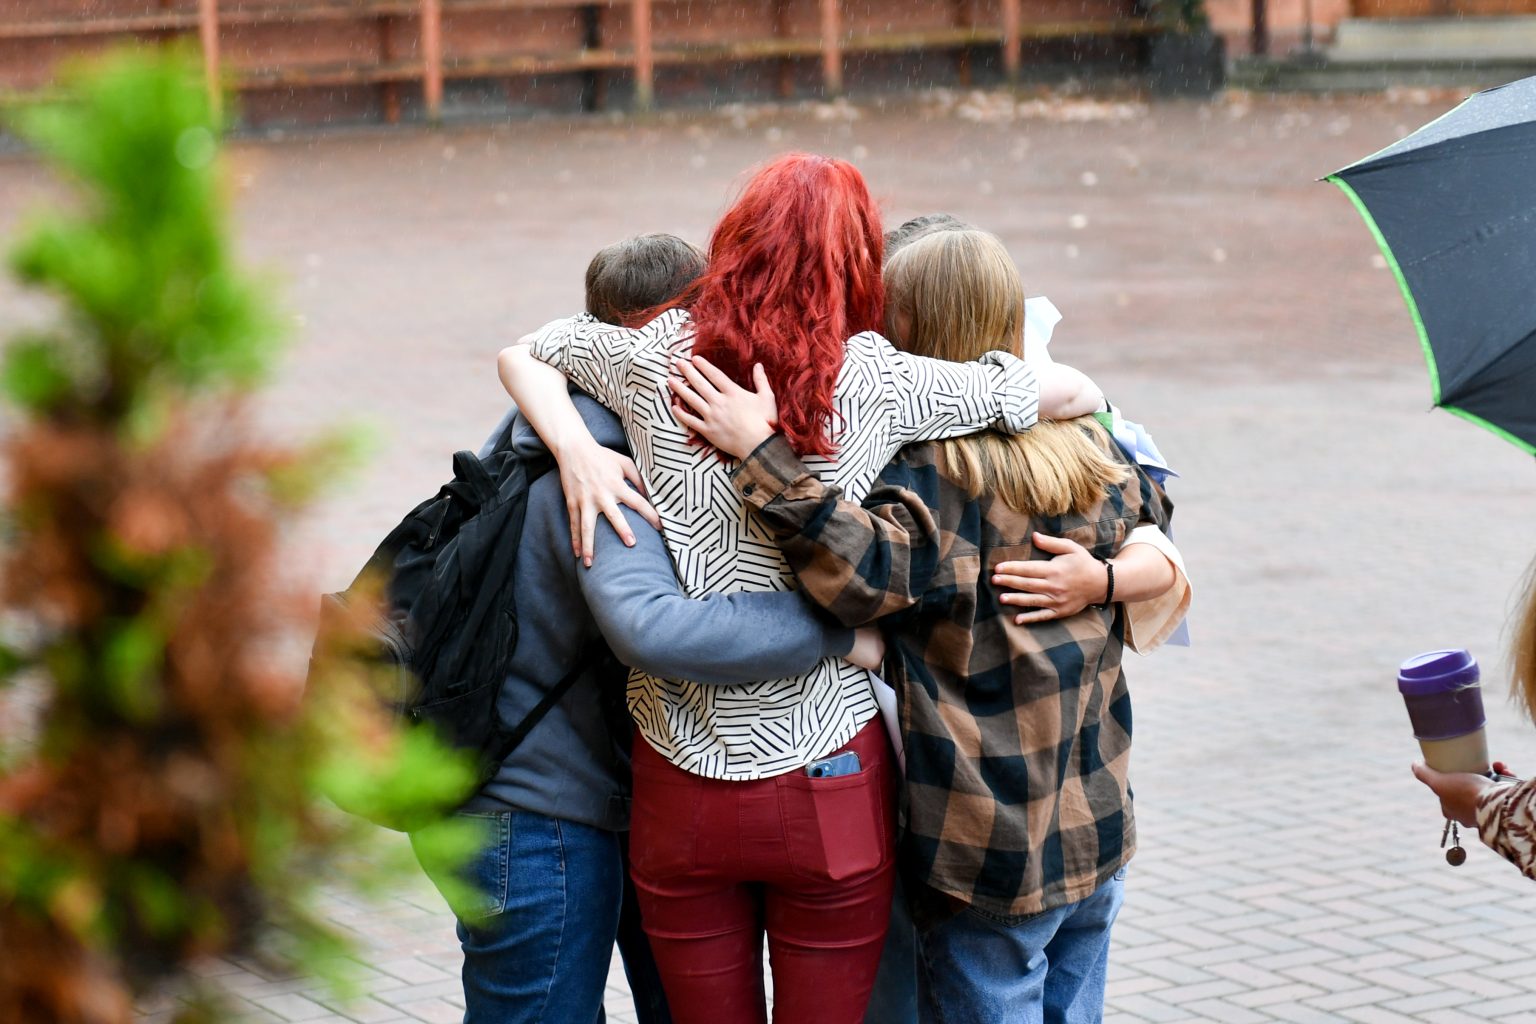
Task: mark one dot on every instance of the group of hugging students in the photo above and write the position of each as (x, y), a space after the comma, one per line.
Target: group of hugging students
(872, 571)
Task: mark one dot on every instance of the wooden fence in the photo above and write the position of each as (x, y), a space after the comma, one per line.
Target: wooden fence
(278, 44)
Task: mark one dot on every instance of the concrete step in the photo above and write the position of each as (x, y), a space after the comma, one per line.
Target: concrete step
(1327, 75)
(1417, 40)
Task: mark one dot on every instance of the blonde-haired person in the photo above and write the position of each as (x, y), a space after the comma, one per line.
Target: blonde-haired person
(1503, 812)
(948, 295)
(1017, 735)
(968, 281)
(952, 289)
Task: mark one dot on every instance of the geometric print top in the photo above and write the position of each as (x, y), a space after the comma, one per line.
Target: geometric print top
(884, 399)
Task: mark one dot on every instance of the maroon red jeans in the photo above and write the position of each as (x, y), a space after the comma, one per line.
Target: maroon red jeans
(810, 861)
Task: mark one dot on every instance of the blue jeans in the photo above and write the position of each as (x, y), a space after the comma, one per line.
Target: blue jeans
(1048, 968)
(538, 941)
(894, 1000)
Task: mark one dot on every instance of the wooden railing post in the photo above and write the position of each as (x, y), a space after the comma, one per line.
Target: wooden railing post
(432, 57)
(1013, 27)
(391, 91)
(963, 20)
(208, 33)
(832, 46)
(786, 71)
(645, 60)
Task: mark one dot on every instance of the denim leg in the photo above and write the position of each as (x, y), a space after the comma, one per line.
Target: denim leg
(1046, 969)
(979, 971)
(894, 1000)
(536, 949)
(1079, 957)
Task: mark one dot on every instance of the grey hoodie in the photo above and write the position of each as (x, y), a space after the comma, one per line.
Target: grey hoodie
(571, 765)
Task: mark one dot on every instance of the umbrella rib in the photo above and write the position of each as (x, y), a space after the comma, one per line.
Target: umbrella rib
(1485, 232)
(1418, 131)
(1470, 386)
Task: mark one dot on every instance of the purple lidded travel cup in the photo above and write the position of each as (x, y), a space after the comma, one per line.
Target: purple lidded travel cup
(1445, 705)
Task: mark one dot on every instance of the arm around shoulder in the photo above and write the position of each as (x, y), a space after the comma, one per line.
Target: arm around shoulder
(859, 562)
(540, 391)
(1067, 393)
(936, 398)
(652, 625)
(595, 479)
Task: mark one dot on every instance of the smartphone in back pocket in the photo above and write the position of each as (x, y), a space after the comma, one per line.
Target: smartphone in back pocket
(846, 763)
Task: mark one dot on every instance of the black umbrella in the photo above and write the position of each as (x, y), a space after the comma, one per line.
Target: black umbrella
(1453, 207)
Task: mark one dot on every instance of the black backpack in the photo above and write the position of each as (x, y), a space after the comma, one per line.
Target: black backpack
(448, 624)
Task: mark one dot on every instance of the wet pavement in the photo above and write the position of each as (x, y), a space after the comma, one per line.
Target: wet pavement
(1288, 867)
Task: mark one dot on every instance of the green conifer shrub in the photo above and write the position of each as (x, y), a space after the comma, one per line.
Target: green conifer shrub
(167, 806)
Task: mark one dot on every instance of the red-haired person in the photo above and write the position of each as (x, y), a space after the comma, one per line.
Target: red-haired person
(767, 806)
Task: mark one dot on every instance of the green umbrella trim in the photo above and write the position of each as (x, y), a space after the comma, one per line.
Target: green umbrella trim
(1418, 323)
(1492, 428)
(1402, 283)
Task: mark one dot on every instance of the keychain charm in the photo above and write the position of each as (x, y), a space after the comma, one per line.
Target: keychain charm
(1455, 856)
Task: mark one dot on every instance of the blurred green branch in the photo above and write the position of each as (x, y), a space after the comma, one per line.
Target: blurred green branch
(170, 805)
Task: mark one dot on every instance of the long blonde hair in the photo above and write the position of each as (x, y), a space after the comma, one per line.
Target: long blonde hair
(956, 295)
(1523, 649)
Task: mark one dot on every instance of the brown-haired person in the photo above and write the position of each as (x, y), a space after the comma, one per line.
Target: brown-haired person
(625, 279)
(1503, 812)
(1017, 736)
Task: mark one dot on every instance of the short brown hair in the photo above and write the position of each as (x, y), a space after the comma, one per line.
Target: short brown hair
(899, 238)
(632, 278)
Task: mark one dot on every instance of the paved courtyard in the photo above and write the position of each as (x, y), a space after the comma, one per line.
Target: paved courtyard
(1288, 868)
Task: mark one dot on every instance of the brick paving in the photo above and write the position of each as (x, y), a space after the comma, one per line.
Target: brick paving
(1288, 868)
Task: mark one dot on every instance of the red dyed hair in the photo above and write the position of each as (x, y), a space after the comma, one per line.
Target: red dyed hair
(794, 271)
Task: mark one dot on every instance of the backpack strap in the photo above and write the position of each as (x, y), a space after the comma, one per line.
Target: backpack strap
(472, 483)
(555, 694)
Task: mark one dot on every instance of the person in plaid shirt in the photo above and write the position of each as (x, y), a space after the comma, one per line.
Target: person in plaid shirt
(1018, 819)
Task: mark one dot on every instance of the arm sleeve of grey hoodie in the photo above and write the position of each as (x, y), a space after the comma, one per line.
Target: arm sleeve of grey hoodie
(497, 434)
(651, 624)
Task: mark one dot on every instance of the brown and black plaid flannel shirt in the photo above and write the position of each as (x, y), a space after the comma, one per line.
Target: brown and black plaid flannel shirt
(1017, 737)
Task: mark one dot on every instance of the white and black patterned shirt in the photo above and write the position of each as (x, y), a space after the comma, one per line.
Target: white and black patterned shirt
(884, 399)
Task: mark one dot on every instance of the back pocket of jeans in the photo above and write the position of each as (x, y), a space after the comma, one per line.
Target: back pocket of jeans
(663, 827)
(835, 828)
(475, 886)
